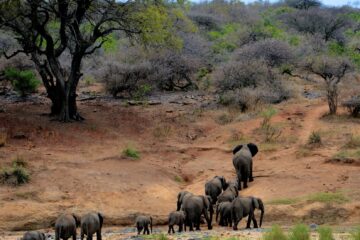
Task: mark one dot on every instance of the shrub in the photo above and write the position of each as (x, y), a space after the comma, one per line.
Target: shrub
(24, 82)
(353, 106)
(130, 152)
(125, 79)
(267, 114)
(276, 233)
(314, 138)
(325, 233)
(299, 232)
(15, 175)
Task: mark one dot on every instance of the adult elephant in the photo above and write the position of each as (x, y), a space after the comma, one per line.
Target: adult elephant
(182, 196)
(245, 206)
(223, 210)
(243, 163)
(91, 223)
(65, 226)
(194, 206)
(214, 187)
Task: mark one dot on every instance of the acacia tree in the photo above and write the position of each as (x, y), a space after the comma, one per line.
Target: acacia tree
(332, 70)
(47, 29)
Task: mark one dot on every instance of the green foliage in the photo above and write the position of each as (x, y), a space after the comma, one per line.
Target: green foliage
(24, 82)
(299, 232)
(325, 233)
(294, 40)
(355, 235)
(328, 197)
(276, 233)
(284, 201)
(336, 48)
(223, 38)
(89, 80)
(15, 175)
(111, 43)
(178, 179)
(131, 153)
(314, 138)
(142, 91)
(267, 114)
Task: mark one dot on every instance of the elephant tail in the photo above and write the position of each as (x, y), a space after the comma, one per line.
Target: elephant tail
(260, 205)
(151, 224)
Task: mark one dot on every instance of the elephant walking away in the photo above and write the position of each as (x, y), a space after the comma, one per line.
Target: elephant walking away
(143, 222)
(176, 218)
(224, 210)
(34, 235)
(65, 226)
(245, 206)
(91, 223)
(182, 196)
(195, 206)
(230, 193)
(243, 163)
(214, 187)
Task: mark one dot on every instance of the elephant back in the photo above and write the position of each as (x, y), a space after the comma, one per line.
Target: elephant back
(243, 156)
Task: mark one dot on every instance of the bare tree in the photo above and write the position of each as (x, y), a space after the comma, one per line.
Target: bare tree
(332, 70)
(46, 30)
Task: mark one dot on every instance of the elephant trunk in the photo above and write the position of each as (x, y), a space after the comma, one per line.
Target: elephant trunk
(151, 223)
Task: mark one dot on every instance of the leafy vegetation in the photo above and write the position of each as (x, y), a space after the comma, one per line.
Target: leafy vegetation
(299, 232)
(355, 235)
(325, 233)
(314, 138)
(16, 174)
(284, 201)
(276, 233)
(24, 82)
(131, 153)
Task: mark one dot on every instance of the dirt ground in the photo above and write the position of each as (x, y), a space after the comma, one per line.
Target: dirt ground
(79, 167)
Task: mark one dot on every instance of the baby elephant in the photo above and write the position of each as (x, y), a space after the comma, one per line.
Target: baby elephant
(176, 218)
(34, 235)
(65, 226)
(91, 223)
(143, 222)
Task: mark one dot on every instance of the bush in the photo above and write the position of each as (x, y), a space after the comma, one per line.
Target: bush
(24, 82)
(15, 175)
(353, 106)
(125, 79)
(299, 232)
(314, 138)
(325, 233)
(353, 142)
(276, 233)
(130, 152)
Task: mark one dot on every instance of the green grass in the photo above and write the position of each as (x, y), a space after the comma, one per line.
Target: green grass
(284, 201)
(314, 138)
(355, 235)
(178, 179)
(268, 147)
(160, 236)
(299, 232)
(347, 154)
(353, 142)
(276, 233)
(328, 197)
(325, 233)
(131, 152)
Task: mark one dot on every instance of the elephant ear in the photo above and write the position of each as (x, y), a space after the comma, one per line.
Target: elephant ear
(237, 148)
(101, 219)
(224, 184)
(253, 149)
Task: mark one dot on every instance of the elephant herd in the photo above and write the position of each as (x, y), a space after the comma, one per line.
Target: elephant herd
(219, 193)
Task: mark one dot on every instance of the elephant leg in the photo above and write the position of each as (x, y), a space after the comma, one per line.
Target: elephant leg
(57, 237)
(147, 230)
(185, 227)
(74, 234)
(236, 222)
(89, 237)
(249, 220)
(206, 218)
(98, 235)
(221, 220)
(246, 177)
(82, 234)
(251, 178)
(191, 226)
(197, 224)
(239, 179)
(254, 221)
(169, 231)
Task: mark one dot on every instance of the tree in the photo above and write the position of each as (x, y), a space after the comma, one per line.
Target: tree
(303, 4)
(46, 30)
(332, 70)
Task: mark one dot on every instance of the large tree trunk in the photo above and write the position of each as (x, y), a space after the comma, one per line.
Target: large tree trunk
(332, 96)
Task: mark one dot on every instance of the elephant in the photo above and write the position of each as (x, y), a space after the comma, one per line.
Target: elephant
(65, 226)
(224, 210)
(214, 187)
(181, 197)
(245, 206)
(91, 223)
(177, 218)
(243, 163)
(34, 235)
(229, 194)
(143, 222)
(194, 206)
